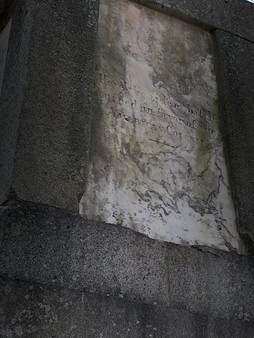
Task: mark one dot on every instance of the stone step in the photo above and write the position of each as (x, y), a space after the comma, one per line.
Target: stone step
(57, 248)
(35, 310)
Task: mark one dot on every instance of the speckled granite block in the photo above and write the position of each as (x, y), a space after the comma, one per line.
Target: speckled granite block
(46, 100)
(36, 311)
(49, 246)
(235, 59)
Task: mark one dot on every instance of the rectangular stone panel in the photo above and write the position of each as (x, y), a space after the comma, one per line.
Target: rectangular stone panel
(157, 162)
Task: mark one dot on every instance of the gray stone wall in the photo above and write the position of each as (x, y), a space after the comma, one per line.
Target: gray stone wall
(47, 93)
(35, 310)
(66, 274)
(235, 57)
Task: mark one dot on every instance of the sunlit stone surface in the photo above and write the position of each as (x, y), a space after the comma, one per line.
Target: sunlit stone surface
(157, 161)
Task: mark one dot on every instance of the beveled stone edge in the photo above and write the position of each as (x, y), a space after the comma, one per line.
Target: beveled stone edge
(209, 14)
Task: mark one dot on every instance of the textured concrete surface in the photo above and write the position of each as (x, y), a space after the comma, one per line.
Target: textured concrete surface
(51, 93)
(235, 59)
(53, 247)
(234, 16)
(33, 310)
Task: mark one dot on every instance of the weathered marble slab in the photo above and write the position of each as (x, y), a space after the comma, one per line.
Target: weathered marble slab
(157, 163)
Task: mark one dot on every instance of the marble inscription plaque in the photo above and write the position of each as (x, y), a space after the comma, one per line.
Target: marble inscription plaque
(157, 162)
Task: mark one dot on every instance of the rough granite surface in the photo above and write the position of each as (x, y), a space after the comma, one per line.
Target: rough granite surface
(235, 57)
(49, 90)
(33, 310)
(234, 16)
(49, 246)
(12, 93)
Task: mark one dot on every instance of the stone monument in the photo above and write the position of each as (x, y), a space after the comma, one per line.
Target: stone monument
(143, 145)
(157, 163)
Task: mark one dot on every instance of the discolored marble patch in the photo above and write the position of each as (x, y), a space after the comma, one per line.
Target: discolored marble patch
(157, 162)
